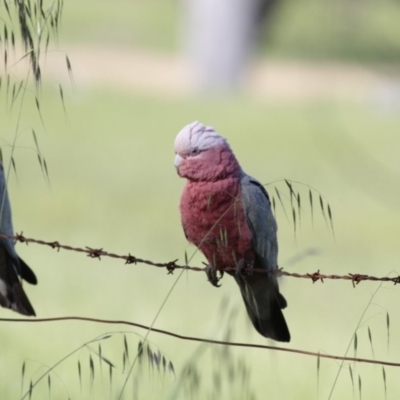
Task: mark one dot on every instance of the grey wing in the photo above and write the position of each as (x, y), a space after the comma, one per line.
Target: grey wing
(261, 221)
(264, 302)
(6, 227)
(6, 222)
(12, 294)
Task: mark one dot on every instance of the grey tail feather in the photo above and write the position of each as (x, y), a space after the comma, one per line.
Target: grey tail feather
(264, 306)
(12, 294)
(281, 300)
(22, 303)
(275, 327)
(26, 273)
(17, 300)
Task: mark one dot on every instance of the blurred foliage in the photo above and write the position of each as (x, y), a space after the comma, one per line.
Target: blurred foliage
(362, 30)
(139, 23)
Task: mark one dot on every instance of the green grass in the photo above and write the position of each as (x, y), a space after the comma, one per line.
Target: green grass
(114, 186)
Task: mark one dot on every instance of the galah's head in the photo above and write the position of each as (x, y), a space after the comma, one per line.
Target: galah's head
(203, 155)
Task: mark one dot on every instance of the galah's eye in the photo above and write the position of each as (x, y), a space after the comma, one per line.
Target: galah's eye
(195, 151)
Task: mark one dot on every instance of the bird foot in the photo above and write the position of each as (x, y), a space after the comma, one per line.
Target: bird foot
(211, 272)
(244, 267)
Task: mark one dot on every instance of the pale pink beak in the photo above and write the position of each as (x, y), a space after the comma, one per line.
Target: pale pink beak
(178, 161)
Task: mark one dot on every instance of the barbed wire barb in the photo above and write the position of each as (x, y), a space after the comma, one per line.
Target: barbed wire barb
(170, 266)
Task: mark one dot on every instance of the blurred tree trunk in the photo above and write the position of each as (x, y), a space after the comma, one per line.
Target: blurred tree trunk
(219, 39)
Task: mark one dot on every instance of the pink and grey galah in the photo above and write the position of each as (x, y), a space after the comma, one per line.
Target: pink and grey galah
(227, 215)
(12, 267)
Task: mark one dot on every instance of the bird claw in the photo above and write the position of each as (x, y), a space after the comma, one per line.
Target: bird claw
(211, 272)
(244, 267)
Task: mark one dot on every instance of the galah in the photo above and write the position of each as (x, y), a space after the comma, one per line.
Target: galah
(12, 267)
(227, 215)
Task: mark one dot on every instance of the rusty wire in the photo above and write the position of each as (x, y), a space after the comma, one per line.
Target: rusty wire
(355, 279)
(171, 266)
(204, 340)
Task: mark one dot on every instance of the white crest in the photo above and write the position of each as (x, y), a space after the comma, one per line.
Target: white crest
(197, 135)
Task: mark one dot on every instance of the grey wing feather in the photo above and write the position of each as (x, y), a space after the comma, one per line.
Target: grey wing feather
(261, 221)
(12, 267)
(260, 292)
(6, 221)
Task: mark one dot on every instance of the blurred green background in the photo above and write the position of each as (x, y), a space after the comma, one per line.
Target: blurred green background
(113, 186)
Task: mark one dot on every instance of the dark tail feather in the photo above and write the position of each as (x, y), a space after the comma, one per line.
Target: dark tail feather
(21, 301)
(26, 273)
(275, 327)
(264, 303)
(16, 299)
(12, 294)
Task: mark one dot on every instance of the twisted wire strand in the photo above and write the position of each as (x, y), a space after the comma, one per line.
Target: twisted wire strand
(355, 279)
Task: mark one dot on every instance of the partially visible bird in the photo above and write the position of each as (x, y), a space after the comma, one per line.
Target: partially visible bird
(12, 267)
(227, 215)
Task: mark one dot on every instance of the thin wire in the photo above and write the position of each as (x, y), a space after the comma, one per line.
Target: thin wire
(197, 339)
(172, 265)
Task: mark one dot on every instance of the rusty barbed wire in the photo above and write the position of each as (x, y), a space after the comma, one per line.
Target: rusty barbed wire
(170, 266)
